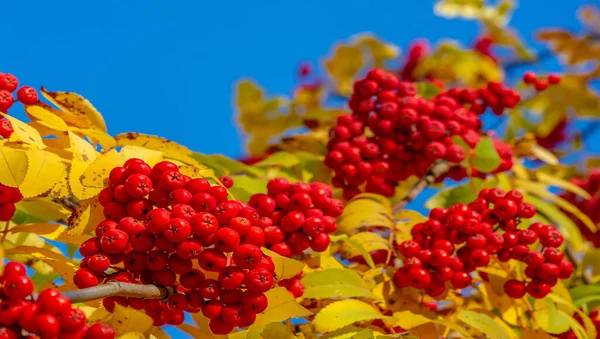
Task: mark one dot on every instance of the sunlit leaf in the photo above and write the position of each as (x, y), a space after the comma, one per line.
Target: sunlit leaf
(281, 306)
(44, 170)
(76, 105)
(344, 313)
(335, 282)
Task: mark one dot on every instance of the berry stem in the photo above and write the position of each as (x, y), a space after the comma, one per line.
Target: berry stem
(117, 288)
(439, 168)
(5, 232)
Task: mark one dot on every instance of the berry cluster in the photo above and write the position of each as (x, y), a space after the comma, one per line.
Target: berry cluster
(158, 221)
(409, 133)
(590, 207)
(593, 315)
(456, 241)
(556, 136)
(540, 85)
(51, 315)
(297, 216)
(416, 51)
(26, 95)
(9, 196)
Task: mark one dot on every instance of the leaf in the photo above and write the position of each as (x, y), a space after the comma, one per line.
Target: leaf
(485, 158)
(561, 183)
(427, 90)
(454, 195)
(378, 50)
(362, 242)
(483, 323)
(13, 166)
(350, 332)
(86, 217)
(50, 231)
(333, 283)
(170, 148)
(83, 155)
(342, 66)
(544, 155)
(344, 313)
(549, 318)
(41, 209)
(24, 132)
(245, 186)
(98, 171)
(279, 159)
(281, 306)
(363, 211)
(126, 319)
(359, 248)
(76, 105)
(44, 170)
(55, 259)
(408, 319)
(285, 268)
(45, 115)
(151, 157)
(276, 331)
(590, 327)
(202, 330)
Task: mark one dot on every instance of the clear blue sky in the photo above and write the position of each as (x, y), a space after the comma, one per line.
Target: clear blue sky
(167, 67)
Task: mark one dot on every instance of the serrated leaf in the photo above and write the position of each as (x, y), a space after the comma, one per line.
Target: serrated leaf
(40, 209)
(364, 212)
(362, 242)
(333, 283)
(45, 115)
(150, 156)
(44, 170)
(98, 170)
(343, 313)
(408, 319)
(245, 186)
(485, 159)
(483, 323)
(285, 268)
(76, 105)
(281, 306)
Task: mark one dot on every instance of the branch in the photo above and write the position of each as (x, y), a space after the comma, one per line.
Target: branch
(438, 169)
(122, 289)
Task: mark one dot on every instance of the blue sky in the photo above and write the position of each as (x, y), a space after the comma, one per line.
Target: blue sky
(167, 67)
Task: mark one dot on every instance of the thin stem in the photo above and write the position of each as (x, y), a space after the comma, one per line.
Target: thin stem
(122, 289)
(5, 232)
(438, 169)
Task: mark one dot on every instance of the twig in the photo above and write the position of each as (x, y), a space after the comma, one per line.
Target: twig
(438, 169)
(117, 288)
(5, 232)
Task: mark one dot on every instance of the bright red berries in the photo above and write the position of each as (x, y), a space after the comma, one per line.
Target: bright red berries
(431, 258)
(540, 85)
(26, 95)
(160, 221)
(49, 316)
(9, 196)
(409, 133)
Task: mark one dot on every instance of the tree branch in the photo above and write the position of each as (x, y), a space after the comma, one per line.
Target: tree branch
(122, 289)
(438, 169)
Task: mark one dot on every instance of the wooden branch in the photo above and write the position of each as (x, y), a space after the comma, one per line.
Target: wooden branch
(122, 289)
(438, 169)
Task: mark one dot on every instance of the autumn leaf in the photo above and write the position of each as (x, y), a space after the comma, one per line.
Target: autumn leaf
(44, 170)
(285, 268)
(343, 313)
(281, 306)
(76, 105)
(363, 241)
(13, 166)
(46, 116)
(343, 65)
(25, 133)
(127, 319)
(334, 283)
(98, 171)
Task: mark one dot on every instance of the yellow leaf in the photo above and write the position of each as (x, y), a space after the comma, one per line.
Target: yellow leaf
(61, 189)
(364, 212)
(469, 9)
(44, 208)
(285, 268)
(126, 319)
(77, 105)
(45, 115)
(149, 156)
(483, 323)
(98, 171)
(276, 331)
(549, 318)
(408, 319)
(537, 334)
(13, 166)
(334, 283)
(44, 170)
(200, 332)
(132, 335)
(281, 306)
(55, 259)
(97, 136)
(170, 148)
(83, 155)
(343, 66)
(558, 182)
(544, 155)
(567, 305)
(52, 232)
(86, 217)
(369, 241)
(24, 132)
(344, 313)
(379, 51)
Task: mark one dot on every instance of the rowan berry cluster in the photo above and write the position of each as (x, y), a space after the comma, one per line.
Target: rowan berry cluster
(590, 207)
(408, 133)
(9, 196)
(593, 315)
(556, 136)
(539, 84)
(6, 129)
(455, 242)
(297, 216)
(416, 51)
(293, 285)
(158, 222)
(50, 315)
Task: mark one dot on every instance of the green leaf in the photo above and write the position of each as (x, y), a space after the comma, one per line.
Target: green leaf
(427, 90)
(343, 313)
(279, 159)
(549, 317)
(22, 218)
(245, 186)
(223, 165)
(335, 282)
(486, 158)
(581, 291)
(40, 279)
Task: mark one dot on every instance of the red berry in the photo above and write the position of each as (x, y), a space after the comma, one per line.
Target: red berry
(100, 330)
(514, 288)
(114, 241)
(8, 82)
(27, 95)
(259, 280)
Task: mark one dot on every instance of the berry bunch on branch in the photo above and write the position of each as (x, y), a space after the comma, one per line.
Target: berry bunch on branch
(27, 95)
(465, 238)
(47, 315)
(393, 133)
